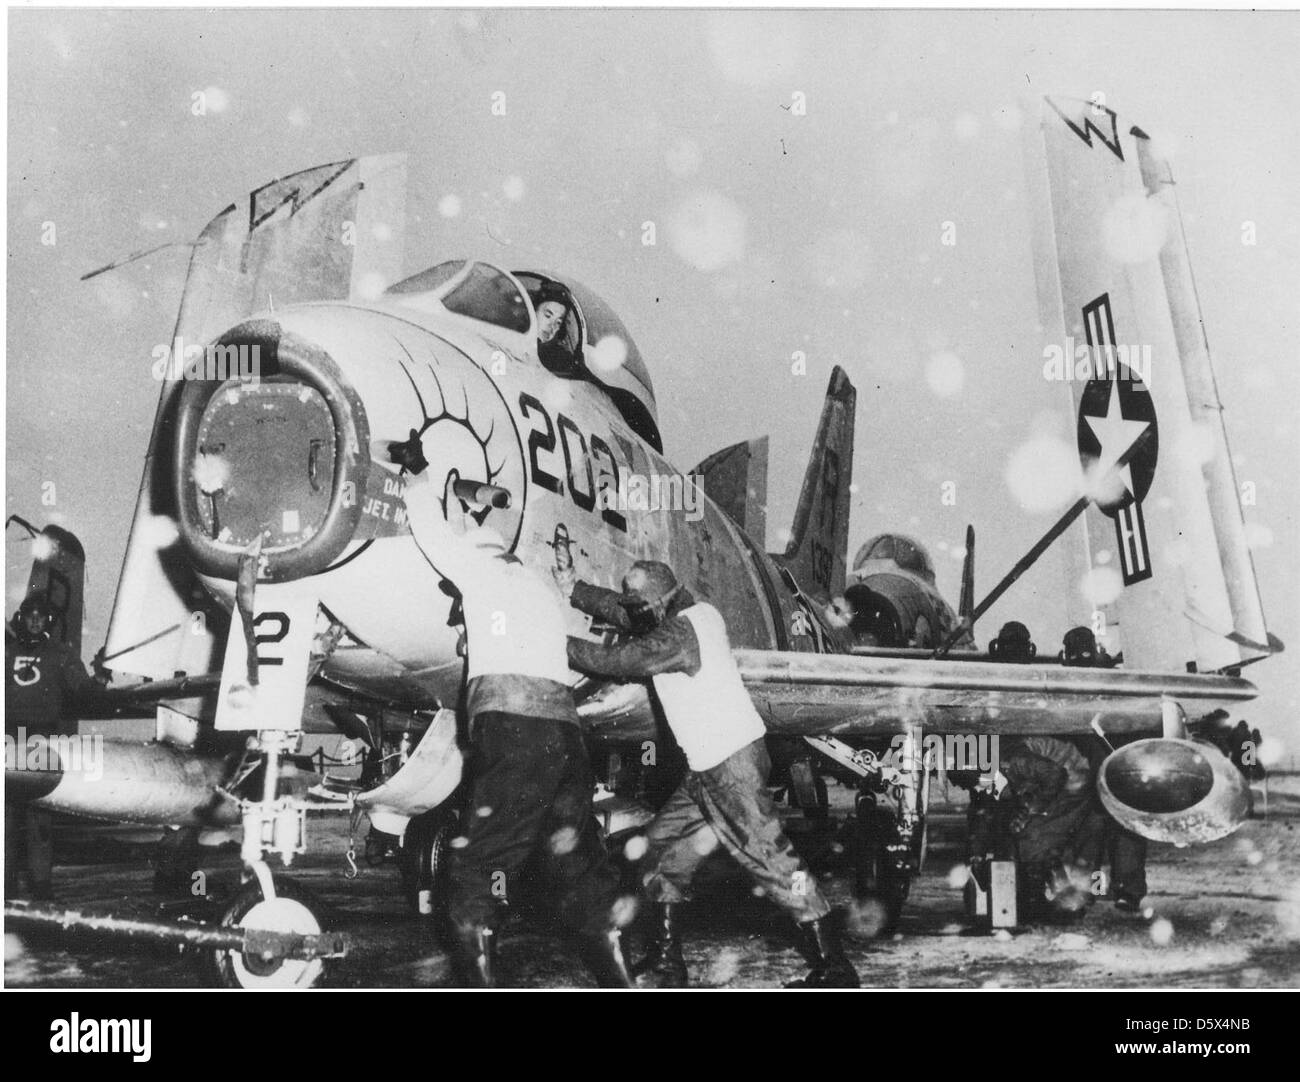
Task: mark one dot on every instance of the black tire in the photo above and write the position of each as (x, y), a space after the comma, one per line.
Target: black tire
(822, 809)
(423, 858)
(882, 868)
(233, 969)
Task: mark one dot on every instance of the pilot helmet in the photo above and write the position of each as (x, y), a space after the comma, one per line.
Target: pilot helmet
(1013, 643)
(1079, 647)
(550, 292)
(33, 607)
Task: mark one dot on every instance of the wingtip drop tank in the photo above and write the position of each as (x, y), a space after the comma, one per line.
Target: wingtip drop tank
(1174, 789)
(120, 781)
(1171, 790)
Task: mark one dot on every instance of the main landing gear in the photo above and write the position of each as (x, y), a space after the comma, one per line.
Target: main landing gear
(889, 823)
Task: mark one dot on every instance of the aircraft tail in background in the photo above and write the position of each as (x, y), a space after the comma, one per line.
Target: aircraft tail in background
(735, 478)
(817, 553)
(966, 604)
(58, 574)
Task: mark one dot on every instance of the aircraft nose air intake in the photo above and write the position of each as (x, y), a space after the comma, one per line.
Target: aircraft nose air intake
(276, 449)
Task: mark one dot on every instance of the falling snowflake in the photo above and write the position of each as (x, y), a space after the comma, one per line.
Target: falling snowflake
(563, 841)
(211, 472)
(609, 354)
(945, 374)
(1162, 932)
(707, 231)
(1043, 473)
(159, 531)
(371, 286)
(1101, 585)
(704, 842)
(215, 100)
(1134, 228)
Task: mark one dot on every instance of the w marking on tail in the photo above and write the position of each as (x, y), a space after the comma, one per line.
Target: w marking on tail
(1090, 129)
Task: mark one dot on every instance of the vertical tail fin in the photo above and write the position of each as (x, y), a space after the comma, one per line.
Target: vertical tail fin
(59, 575)
(966, 604)
(1164, 557)
(817, 552)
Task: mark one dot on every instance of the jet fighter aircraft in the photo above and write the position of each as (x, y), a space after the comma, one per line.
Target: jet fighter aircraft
(893, 599)
(270, 583)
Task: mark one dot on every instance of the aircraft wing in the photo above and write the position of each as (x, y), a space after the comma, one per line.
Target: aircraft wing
(196, 697)
(801, 694)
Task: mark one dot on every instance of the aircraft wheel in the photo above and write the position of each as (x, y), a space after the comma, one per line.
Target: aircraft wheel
(286, 912)
(423, 859)
(881, 869)
(820, 808)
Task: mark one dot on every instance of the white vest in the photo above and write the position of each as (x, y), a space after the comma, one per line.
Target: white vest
(514, 624)
(710, 713)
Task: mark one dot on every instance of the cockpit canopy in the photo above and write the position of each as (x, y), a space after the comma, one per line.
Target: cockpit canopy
(592, 345)
(477, 290)
(903, 552)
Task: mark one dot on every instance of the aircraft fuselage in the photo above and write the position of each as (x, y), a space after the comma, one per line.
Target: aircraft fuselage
(293, 456)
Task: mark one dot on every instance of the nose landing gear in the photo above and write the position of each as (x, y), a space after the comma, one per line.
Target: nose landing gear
(263, 963)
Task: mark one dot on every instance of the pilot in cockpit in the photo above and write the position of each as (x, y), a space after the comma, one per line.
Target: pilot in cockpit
(555, 347)
(550, 320)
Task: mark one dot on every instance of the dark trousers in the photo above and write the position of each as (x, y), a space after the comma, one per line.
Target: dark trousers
(729, 804)
(1128, 861)
(1126, 851)
(1078, 832)
(530, 796)
(1071, 829)
(29, 847)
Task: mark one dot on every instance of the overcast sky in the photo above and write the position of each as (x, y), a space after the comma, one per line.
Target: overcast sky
(776, 231)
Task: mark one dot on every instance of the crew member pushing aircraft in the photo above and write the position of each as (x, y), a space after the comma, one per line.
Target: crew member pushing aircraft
(681, 646)
(531, 783)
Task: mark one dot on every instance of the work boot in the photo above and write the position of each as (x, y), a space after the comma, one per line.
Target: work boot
(831, 968)
(474, 952)
(605, 958)
(663, 966)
